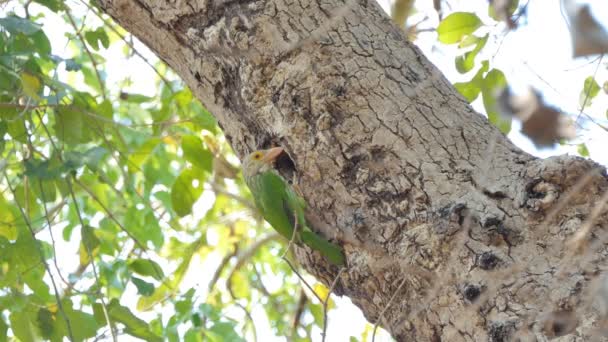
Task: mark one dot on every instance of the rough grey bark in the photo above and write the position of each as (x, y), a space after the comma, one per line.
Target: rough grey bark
(474, 238)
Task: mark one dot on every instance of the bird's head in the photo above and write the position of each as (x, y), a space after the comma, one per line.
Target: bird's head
(260, 161)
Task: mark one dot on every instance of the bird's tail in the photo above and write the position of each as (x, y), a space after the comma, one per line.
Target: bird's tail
(332, 252)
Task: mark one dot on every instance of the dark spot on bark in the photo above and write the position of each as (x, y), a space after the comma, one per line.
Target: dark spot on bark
(501, 331)
(494, 194)
(560, 323)
(276, 97)
(488, 261)
(454, 213)
(358, 219)
(492, 222)
(339, 90)
(295, 102)
(265, 141)
(530, 192)
(198, 76)
(471, 292)
(378, 154)
(349, 172)
(217, 92)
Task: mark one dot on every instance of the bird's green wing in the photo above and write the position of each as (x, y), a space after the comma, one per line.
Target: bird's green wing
(280, 206)
(270, 192)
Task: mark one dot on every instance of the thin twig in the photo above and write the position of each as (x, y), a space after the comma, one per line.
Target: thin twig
(298, 315)
(390, 301)
(597, 67)
(46, 266)
(88, 52)
(326, 301)
(48, 222)
(92, 261)
(250, 252)
(109, 25)
(302, 279)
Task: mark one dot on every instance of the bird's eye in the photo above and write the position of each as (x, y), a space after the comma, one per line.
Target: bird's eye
(257, 156)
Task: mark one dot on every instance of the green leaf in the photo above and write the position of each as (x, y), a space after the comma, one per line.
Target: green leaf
(3, 330)
(73, 160)
(31, 85)
(184, 193)
(195, 153)
(493, 82)
(16, 129)
(45, 323)
(193, 335)
(466, 62)
(203, 118)
(141, 154)
(8, 227)
(135, 98)
(89, 244)
(590, 90)
(133, 325)
(223, 331)
(41, 42)
(470, 90)
(582, 150)
(14, 24)
(240, 285)
(68, 125)
(53, 5)
(45, 190)
(143, 287)
(82, 324)
(457, 25)
(147, 267)
(96, 37)
(23, 326)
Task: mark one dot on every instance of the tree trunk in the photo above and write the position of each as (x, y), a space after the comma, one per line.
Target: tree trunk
(449, 229)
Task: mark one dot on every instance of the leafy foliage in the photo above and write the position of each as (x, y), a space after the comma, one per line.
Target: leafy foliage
(116, 206)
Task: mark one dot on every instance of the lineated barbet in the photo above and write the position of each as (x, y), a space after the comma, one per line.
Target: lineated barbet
(281, 206)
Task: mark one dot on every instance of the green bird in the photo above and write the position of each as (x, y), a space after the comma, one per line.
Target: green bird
(281, 206)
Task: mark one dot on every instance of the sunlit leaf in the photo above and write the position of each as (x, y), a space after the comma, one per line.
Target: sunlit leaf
(466, 62)
(195, 153)
(456, 25)
(8, 227)
(141, 154)
(590, 90)
(94, 38)
(470, 90)
(147, 267)
(582, 150)
(186, 190)
(31, 85)
(134, 326)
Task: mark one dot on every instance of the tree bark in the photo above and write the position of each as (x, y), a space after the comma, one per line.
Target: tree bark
(449, 229)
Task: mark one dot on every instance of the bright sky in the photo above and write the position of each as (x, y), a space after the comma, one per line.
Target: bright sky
(538, 54)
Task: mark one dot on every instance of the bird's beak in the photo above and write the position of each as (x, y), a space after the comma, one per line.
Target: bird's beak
(272, 154)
